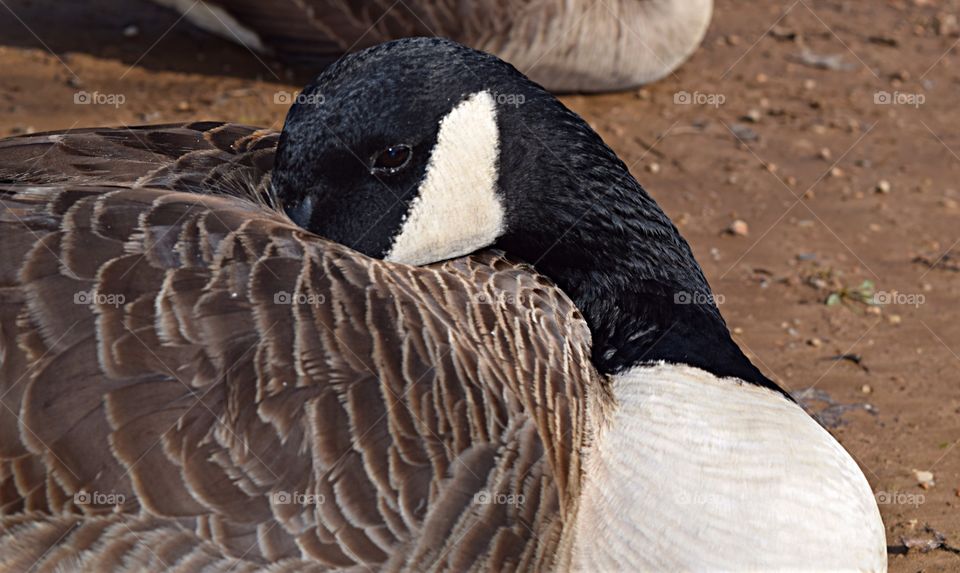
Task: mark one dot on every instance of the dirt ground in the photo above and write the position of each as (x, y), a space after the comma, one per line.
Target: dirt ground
(821, 132)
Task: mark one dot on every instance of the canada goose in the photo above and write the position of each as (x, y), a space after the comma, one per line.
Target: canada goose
(565, 45)
(446, 417)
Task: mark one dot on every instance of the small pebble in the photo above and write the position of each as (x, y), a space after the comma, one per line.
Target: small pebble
(131, 31)
(826, 154)
(924, 478)
(815, 342)
(866, 389)
(894, 319)
(739, 228)
(753, 116)
(946, 24)
(653, 168)
(836, 172)
(883, 186)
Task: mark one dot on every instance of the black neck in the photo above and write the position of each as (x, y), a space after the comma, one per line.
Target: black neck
(596, 232)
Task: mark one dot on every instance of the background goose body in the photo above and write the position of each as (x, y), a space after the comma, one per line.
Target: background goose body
(495, 366)
(566, 45)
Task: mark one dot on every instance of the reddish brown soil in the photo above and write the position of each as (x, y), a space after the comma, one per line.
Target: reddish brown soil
(795, 151)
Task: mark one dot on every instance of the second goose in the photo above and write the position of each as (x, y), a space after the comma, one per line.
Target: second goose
(566, 45)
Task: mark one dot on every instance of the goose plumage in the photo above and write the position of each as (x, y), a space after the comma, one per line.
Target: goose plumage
(194, 379)
(565, 45)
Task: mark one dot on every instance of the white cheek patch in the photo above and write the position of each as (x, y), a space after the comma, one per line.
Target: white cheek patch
(457, 210)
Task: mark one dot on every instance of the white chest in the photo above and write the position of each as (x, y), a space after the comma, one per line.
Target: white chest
(696, 473)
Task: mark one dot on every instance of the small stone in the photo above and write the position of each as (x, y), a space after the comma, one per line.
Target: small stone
(131, 31)
(737, 330)
(753, 116)
(874, 310)
(809, 84)
(883, 186)
(836, 172)
(815, 342)
(866, 389)
(946, 24)
(653, 168)
(826, 154)
(924, 478)
(894, 319)
(949, 203)
(762, 78)
(733, 40)
(739, 228)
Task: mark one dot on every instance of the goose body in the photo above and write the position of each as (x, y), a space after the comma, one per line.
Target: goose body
(469, 414)
(565, 45)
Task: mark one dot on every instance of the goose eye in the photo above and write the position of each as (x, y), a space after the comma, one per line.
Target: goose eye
(392, 159)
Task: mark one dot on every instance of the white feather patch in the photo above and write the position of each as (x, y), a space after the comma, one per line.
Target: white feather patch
(696, 473)
(457, 210)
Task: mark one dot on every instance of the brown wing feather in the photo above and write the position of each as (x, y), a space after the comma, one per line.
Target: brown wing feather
(160, 390)
(206, 157)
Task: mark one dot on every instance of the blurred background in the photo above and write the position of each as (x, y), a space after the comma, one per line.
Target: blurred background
(808, 151)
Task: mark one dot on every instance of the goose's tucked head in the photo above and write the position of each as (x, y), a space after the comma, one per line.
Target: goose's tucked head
(396, 150)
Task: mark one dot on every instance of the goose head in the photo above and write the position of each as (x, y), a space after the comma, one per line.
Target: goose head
(421, 150)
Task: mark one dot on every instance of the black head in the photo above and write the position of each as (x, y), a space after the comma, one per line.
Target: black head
(420, 150)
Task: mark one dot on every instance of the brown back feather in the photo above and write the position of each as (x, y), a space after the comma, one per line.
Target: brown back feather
(162, 399)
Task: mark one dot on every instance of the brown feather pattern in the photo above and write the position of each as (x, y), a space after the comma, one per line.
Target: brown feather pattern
(189, 381)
